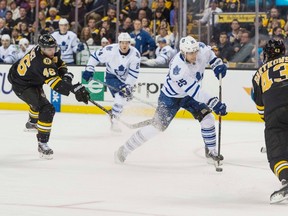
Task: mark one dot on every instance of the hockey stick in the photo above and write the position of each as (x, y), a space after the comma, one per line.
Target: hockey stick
(136, 98)
(131, 126)
(217, 165)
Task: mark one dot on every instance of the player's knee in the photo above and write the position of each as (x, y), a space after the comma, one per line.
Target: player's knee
(47, 113)
(208, 121)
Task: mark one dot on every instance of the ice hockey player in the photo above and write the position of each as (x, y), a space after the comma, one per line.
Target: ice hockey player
(8, 53)
(67, 41)
(43, 65)
(122, 68)
(270, 87)
(182, 89)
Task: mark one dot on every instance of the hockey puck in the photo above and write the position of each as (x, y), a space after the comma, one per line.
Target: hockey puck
(219, 169)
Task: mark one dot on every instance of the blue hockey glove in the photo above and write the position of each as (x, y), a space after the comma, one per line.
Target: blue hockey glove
(1, 60)
(218, 67)
(68, 77)
(126, 91)
(80, 47)
(81, 94)
(218, 107)
(87, 75)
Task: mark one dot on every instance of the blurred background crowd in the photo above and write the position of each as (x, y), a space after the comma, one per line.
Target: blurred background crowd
(231, 27)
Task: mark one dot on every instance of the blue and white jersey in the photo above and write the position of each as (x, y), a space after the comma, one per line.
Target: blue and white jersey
(8, 55)
(124, 67)
(184, 79)
(68, 44)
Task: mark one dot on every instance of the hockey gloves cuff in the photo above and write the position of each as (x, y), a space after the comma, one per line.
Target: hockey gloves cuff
(87, 75)
(68, 77)
(80, 47)
(81, 94)
(126, 91)
(218, 107)
(218, 67)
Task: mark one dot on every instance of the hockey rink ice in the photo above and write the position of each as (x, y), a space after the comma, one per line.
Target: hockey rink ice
(167, 176)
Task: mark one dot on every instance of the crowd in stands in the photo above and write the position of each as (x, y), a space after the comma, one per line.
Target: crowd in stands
(147, 21)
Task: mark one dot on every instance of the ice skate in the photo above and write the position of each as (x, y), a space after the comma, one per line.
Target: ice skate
(30, 127)
(213, 157)
(280, 195)
(45, 151)
(115, 125)
(120, 155)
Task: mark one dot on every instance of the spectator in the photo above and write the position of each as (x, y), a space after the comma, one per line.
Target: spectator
(155, 23)
(15, 10)
(23, 17)
(67, 41)
(41, 23)
(274, 16)
(261, 29)
(53, 19)
(163, 34)
(145, 6)
(3, 8)
(232, 6)
(144, 42)
(246, 47)
(8, 53)
(64, 9)
(232, 36)
(126, 26)
(111, 17)
(32, 10)
(24, 31)
(99, 6)
(3, 28)
(43, 7)
(164, 53)
(97, 37)
(224, 47)
(131, 10)
(10, 23)
(81, 13)
(165, 11)
(86, 36)
(91, 24)
(145, 22)
(141, 14)
(208, 13)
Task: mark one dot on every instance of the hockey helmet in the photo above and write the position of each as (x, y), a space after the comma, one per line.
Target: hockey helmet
(188, 44)
(124, 36)
(47, 41)
(273, 49)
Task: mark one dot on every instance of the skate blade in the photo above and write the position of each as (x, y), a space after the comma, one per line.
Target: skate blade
(213, 162)
(32, 130)
(46, 157)
(116, 130)
(116, 158)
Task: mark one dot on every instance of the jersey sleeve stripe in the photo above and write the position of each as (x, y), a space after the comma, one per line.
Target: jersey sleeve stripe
(170, 92)
(170, 87)
(197, 89)
(133, 75)
(191, 86)
(133, 71)
(95, 57)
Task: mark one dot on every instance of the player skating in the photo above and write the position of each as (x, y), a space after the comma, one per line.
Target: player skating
(270, 87)
(43, 65)
(122, 69)
(182, 89)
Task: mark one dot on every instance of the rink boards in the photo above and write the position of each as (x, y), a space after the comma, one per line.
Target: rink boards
(235, 92)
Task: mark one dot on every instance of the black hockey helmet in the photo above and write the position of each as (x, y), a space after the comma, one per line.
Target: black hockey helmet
(47, 41)
(273, 49)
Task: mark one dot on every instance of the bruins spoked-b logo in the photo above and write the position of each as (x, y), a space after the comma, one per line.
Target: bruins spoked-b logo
(47, 61)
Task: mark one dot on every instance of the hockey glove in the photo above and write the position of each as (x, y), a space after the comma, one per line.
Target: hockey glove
(81, 94)
(218, 67)
(218, 107)
(80, 47)
(68, 77)
(126, 91)
(87, 75)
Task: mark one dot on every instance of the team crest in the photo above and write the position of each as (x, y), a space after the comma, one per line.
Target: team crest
(120, 71)
(176, 70)
(47, 61)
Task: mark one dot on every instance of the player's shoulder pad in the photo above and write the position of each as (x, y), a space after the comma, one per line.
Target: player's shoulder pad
(108, 47)
(137, 53)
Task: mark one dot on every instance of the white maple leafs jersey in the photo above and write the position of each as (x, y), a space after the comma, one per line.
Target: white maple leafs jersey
(8, 55)
(68, 44)
(184, 79)
(124, 67)
(21, 54)
(163, 56)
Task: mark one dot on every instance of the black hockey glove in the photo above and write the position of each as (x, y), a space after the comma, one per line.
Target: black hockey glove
(81, 94)
(68, 77)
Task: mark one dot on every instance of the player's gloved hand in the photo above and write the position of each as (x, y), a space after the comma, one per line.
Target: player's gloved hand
(68, 77)
(126, 91)
(81, 94)
(218, 67)
(80, 47)
(1, 60)
(218, 107)
(87, 75)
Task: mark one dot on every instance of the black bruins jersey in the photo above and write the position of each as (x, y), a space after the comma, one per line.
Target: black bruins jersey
(270, 84)
(36, 69)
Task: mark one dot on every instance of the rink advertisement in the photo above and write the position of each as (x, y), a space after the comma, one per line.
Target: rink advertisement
(235, 90)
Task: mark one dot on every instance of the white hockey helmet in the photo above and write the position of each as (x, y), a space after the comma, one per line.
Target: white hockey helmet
(23, 42)
(124, 36)
(188, 44)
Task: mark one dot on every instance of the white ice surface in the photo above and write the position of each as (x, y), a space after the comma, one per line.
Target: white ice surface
(167, 176)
